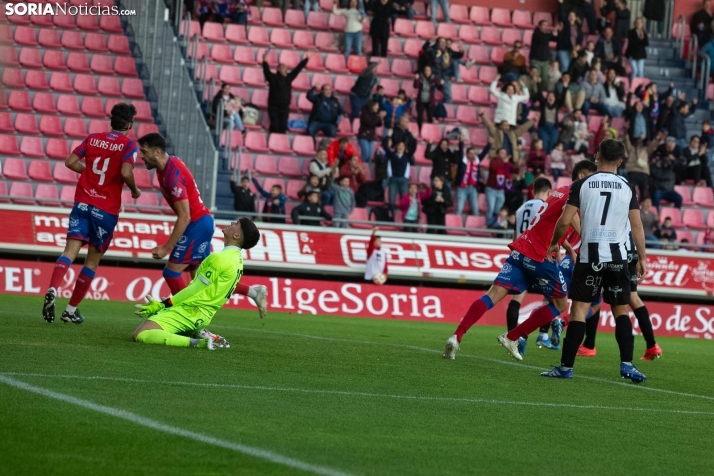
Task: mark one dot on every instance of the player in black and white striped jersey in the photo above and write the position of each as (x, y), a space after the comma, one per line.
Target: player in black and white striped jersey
(608, 212)
(524, 217)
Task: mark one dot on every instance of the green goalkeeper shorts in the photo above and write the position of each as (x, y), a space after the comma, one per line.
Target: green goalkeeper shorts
(180, 320)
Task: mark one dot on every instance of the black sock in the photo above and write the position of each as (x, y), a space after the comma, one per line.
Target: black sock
(573, 338)
(643, 319)
(512, 314)
(591, 331)
(625, 339)
(544, 329)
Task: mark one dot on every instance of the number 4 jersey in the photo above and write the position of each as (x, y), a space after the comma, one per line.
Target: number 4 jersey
(101, 182)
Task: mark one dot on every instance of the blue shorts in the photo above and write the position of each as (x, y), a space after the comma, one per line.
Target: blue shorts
(91, 225)
(195, 244)
(520, 273)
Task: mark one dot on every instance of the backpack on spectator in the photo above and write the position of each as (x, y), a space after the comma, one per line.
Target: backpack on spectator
(381, 214)
(251, 115)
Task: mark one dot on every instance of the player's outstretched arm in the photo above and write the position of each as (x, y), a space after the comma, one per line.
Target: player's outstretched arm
(183, 219)
(73, 163)
(127, 174)
(638, 235)
(560, 228)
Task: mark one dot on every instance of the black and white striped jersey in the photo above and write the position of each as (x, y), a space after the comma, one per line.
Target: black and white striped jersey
(605, 201)
(526, 213)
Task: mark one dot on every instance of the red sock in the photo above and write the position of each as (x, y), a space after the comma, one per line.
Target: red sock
(540, 317)
(566, 319)
(241, 288)
(81, 286)
(61, 267)
(175, 283)
(475, 312)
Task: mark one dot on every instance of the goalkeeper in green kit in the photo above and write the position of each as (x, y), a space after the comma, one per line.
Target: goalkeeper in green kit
(173, 320)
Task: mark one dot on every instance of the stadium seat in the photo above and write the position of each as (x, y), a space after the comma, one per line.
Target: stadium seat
(260, 98)
(458, 94)
(236, 34)
(304, 145)
(21, 193)
(501, 17)
(295, 19)
(66, 22)
(251, 76)
(425, 30)
(475, 222)
(344, 84)
(266, 165)
(454, 221)
(673, 214)
(95, 42)
(527, 38)
(71, 40)
(447, 30)
(294, 186)
(497, 54)
(117, 44)
(459, 14)
(258, 35)
(313, 64)
(321, 79)
(303, 40)
(404, 28)
(479, 54)
(221, 53)
(91, 107)
(110, 24)
(281, 38)
(480, 16)
(510, 36)
(100, 64)
(540, 16)
(96, 126)
(356, 64)
(12, 78)
(279, 143)
(694, 218)
(25, 36)
(391, 87)
(87, 23)
(75, 127)
(84, 84)
(57, 149)
(412, 48)
(132, 88)
(704, 197)
(317, 21)
(29, 57)
(467, 114)
(46, 195)
(142, 178)
(19, 101)
(479, 95)
(40, 171)
(431, 132)
(244, 55)
(290, 167)
(30, 147)
(148, 203)
(213, 32)
(335, 63)
(59, 82)
(256, 142)
(402, 68)
(394, 47)
(686, 194)
(144, 129)
(8, 56)
(337, 23)
(231, 75)
(51, 126)
(685, 235)
(487, 74)
(273, 17)
(6, 122)
(522, 19)
(478, 136)
(67, 195)
(359, 215)
(54, 60)
(8, 144)
(26, 124)
(14, 169)
(125, 66)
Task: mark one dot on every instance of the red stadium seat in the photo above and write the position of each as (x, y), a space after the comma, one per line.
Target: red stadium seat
(404, 28)
(454, 221)
(303, 104)
(290, 58)
(295, 19)
(132, 88)
(475, 222)
(281, 38)
(321, 80)
(59, 82)
(125, 66)
(19, 101)
(14, 169)
(303, 40)
(467, 114)
(12, 78)
(510, 36)
(359, 215)
(501, 17)
(301, 83)
(356, 64)
(67, 195)
(394, 47)
(480, 15)
(402, 68)
(75, 127)
(337, 23)
(252, 76)
(424, 29)
(25, 36)
(458, 94)
(57, 149)
(527, 38)
(55, 60)
(21, 193)
(541, 16)
(42, 20)
(17, 19)
(221, 53)
(478, 136)
(95, 42)
(96, 126)
(315, 63)
(487, 74)
(273, 17)
(84, 84)
(266, 165)
(40, 171)
(459, 14)
(256, 142)
(8, 56)
(260, 98)
(26, 124)
(71, 40)
(87, 23)
(127, 202)
(51, 126)
(6, 122)
(317, 21)
(29, 57)
(142, 178)
(304, 145)
(479, 54)
(704, 197)
(30, 147)
(101, 64)
(479, 95)
(290, 166)
(236, 34)
(279, 143)
(8, 144)
(66, 22)
(335, 63)
(6, 34)
(258, 35)
(447, 30)
(117, 44)
(294, 186)
(111, 24)
(431, 132)
(491, 35)
(412, 48)
(91, 107)
(148, 203)
(673, 214)
(686, 194)
(144, 129)
(344, 84)
(522, 19)
(47, 195)
(694, 218)
(230, 75)
(469, 34)
(213, 32)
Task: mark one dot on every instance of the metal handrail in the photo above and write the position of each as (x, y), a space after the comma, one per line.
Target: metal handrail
(220, 111)
(704, 76)
(193, 57)
(680, 34)
(693, 54)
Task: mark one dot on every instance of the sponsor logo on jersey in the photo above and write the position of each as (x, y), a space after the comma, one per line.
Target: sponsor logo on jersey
(597, 267)
(203, 247)
(183, 239)
(616, 290)
(83, 206)
(100, 231)
(600, 234)
(93, 193)
(515, 254)
(73, 222)
(507, 268)
(96, 213)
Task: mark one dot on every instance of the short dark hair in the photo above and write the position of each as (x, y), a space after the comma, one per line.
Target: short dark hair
(223, 85)
(245, 177)
(470, 149)
(542, 185)
(611, 150)
(401, 91)
(695, 137)
(122, 116)
(343, 140)
(583, 166)
(251, 235)
(278, 186)
(153, 140)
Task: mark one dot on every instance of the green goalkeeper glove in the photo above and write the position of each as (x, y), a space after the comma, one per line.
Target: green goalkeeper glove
(151, 307)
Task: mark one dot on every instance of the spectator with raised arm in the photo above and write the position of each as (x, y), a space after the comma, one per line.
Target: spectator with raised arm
(622, 20)
(401, 133)
(580, 67)
(361, 92)
(394, 109)
(677, 126)
(426, 84)
(570, 36)
(339, 152)
(280, 92)
(508, 101)
(505, 137)
(326, 111)
(274, 201)
(499, 171)
(354, 169)
(540, 53)
(370, 119)
(697, 163)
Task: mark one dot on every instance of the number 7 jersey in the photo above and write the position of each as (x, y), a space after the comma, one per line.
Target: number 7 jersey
(101, 182)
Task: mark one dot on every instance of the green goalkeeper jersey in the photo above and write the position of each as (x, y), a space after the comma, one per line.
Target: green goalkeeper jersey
(215, 281)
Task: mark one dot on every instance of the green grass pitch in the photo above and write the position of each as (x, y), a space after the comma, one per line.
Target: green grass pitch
(345, 395)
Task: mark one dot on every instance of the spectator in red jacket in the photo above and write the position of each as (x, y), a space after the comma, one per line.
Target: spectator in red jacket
(341, 150)
(355, 170)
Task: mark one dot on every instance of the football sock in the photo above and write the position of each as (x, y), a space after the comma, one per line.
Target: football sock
(475, 312)
(544, 329)
(514, 308)
(573, 338)
(625, 339)
(61, 266)
(80, 288)
(161, 337)
(174, 280)
(643, 319)
(591, 331)
(540, 317)
(243, 289)
(566, 319)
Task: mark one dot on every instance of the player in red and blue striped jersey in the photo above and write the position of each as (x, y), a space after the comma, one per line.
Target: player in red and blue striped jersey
(109, 159)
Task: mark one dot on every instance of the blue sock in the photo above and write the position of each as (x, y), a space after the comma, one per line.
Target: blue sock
(171, 274)
(487, 300)
(64, 260)
(88, 272)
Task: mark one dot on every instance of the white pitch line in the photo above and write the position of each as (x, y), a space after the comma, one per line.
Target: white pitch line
(360, 394)
(173, 430)
(477, 357)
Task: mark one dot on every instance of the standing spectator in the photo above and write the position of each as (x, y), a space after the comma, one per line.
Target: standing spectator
(444, 4)
(514, 64)
(534, 83)
(569, 93)
(394, 109)
(466, 181)
(638, 166)
(398, 168)
(280, 92)
(677, 127)
(370, 119)
(361, 92)
(622, 19)
(411, 207)
(339, 152)
(570, 36)
(662, 171)
(442, 157)
(594, 94)
(436, 204)
(665, 111)
(614, 95)
(344, 201)
(650, 220)
(654, 11)
(580, 67)
(638, 116)
(557, 161)
(426, 85)
(554, 75)
(499, 171)
(310, 212)
(637, 43)
(548, 122)
(401, 133)
(539, 55)
(355, 171)
(353, 27)
(274, 201)
(650, 100)
(609, 50)
(403, 8)
(322, 169)
(243, 196)
(586, 11)
(326, 111)
(697, 163)
(380, 27)
(667, 233)
(508, 101)
(537, 158)
(313, 183)
(446, 70)
(231, 107)
(701, 22)
(379, 96)
(505, 137)
(307, 4)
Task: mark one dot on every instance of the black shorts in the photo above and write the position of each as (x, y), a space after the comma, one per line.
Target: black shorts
(590, 279)
(632, 268)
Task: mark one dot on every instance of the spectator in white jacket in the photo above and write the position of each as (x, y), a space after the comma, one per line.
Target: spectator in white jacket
(508, 101)
(353, 27)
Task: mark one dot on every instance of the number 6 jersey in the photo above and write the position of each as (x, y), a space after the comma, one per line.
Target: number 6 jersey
(605, 201)
(101, 182)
